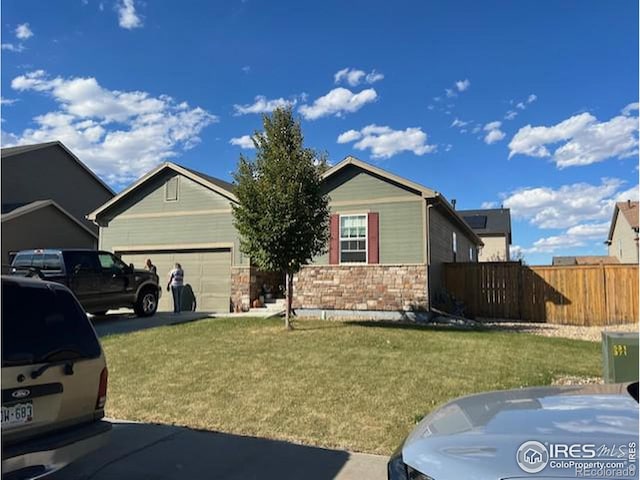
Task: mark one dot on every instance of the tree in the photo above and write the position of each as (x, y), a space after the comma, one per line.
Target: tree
(282, 215)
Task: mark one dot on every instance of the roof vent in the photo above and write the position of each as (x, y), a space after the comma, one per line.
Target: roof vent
(453, 203)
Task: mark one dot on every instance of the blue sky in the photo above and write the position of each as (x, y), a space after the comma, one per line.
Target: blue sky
(528, 104)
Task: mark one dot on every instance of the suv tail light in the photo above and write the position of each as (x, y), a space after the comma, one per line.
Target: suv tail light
(102, 389)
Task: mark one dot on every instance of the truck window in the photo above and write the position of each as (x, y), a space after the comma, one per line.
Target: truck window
(51, 261)
(83, 261)
(22, 260)
(110, 262)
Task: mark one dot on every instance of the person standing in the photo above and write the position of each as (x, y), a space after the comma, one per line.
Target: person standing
(151, 267)
(176, 284)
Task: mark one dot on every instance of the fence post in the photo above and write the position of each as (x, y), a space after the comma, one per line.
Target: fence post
(606, 298)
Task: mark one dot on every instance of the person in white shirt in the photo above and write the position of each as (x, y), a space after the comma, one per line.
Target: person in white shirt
(176, 285)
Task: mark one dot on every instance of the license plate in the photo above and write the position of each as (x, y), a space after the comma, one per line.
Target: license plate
(17, 414)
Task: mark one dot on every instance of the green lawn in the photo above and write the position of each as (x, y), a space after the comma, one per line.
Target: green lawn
(348, 385)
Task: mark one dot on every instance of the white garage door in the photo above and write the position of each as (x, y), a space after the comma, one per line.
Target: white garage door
(207, 276)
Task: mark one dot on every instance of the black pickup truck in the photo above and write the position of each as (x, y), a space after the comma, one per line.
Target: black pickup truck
(99, 280)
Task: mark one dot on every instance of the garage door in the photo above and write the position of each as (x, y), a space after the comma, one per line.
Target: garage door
(207, 273)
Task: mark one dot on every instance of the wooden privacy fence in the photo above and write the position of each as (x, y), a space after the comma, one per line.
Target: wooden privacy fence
(586, 295)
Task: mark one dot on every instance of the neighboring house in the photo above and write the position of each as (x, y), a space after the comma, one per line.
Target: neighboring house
(493, 226)
(584, 260)
(46, 194)
(174, 214)
(388, 241)
(623, 233)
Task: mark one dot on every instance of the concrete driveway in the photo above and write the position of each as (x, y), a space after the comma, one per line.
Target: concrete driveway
(125, 321)
(146, 451)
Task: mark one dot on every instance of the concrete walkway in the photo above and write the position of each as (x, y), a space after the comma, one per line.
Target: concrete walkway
(148, 451)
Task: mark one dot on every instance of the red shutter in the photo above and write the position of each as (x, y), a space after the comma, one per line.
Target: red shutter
(334, 239)
(374, 242)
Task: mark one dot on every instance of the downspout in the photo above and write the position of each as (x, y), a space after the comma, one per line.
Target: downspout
(428, 245)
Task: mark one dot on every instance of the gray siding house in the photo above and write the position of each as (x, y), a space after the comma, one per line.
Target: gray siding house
(46, 194)
(389, 238)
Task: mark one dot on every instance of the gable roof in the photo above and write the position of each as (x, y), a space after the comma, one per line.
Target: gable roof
(39, 204)
(424, 192)
(9, 152)
(490, 221)
(630, 211)
(219, 186)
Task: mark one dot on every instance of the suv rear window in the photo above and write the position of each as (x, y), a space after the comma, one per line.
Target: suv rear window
(43, 324)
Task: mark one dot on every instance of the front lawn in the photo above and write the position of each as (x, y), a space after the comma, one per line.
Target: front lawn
(336, 384)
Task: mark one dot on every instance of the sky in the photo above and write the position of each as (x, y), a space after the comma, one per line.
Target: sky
(529, 105)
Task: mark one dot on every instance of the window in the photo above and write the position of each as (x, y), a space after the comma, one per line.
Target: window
(110, 262)
(454, 245)
(40, 323)
(23, 260)
(171, 189)
(353, 239)
(81, 261)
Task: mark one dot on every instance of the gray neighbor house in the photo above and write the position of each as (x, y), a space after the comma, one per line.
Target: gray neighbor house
(46, 194)
(388, 241)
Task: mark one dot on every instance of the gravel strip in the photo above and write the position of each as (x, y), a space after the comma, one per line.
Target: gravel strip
(591, 334)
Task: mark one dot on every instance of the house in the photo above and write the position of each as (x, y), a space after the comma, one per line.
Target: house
(493, 226)
(388, 241)
(175, 214)
(46, 194)
(623, 233)
(584, 260)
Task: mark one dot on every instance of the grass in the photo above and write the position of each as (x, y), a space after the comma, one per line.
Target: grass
(336, 384)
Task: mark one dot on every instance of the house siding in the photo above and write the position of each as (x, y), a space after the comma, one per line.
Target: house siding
(353, 184)
(495, 249)
(144, 218)
(440, 231)
(51, 174)
(46, 227)
(623, 238)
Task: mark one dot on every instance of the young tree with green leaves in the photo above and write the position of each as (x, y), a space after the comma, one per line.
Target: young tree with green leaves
(282, 215)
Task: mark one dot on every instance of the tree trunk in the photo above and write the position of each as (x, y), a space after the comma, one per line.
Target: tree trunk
(287, 316)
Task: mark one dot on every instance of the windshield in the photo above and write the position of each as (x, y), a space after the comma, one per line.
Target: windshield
(43, 324)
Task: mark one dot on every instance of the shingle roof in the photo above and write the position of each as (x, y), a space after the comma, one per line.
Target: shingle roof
(584, 260)
(491, 221)
(8, 151)
(630, 212)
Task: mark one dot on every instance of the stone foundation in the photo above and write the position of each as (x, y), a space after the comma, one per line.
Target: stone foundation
(243, 281)
(361, 287)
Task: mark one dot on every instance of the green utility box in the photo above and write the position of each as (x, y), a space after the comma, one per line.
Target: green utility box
(620, 357)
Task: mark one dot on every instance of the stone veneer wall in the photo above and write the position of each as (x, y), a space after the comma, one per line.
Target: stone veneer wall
(361, 287)
(243, 286)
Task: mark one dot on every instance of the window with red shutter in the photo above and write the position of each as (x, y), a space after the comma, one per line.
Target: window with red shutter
(373, 227)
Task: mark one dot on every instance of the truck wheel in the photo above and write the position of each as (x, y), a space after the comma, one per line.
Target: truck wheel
(147, 303)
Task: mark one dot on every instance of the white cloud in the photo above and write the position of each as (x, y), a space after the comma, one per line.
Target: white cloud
(23, 31)
(632, 107)
(510, 115)
(338, 102)
(494, 134)
(385, 142)
(120, 135)
(584, 140)
(127, 16)
(631, 194)
(244, 142)
(246, 68)
(7, 101)
(17, 48)
(450, 93)
(566, 206)
(355, 77)
(463, 85)
(521, 105)
(459, 123)
(262, 105)
(532, 98)
(489, 205)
